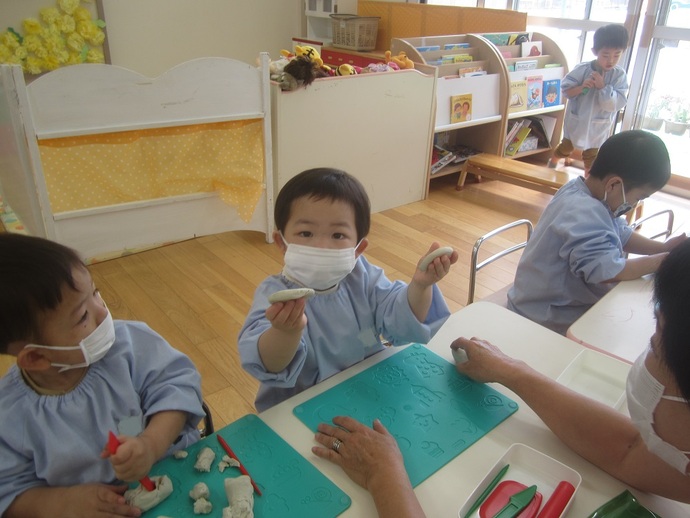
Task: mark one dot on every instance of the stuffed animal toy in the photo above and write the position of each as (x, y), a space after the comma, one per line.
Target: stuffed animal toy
(401, 60)
(300, 71)
(345, 70)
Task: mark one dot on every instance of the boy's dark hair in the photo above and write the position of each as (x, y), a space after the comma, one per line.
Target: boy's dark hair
(612, 36)
(33, 272)
(672, 292)
(640, 158)
(325, 183)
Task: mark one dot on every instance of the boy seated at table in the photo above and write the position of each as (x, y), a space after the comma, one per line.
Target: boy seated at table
(579, 247)
(79, 375)
(322, 218)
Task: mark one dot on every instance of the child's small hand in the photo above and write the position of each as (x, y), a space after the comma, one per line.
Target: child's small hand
(96, 501)
(597, 80)
(437, 268)
(288, 315)
(588, 83)
(675, 241)
(133, 459)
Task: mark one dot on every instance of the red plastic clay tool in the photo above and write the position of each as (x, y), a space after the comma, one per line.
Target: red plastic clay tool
(554, 506)
(113, 445)
(500, 497)
(243, 470)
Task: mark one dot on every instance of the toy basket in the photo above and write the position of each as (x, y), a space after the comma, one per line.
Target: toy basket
(354, 32)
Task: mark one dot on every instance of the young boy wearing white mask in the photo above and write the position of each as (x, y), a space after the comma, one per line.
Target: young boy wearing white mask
(79, 375)
(322, 219)
(579, 247)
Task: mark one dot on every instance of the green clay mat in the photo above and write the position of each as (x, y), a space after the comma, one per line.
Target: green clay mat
(434, 412)
(291, 486)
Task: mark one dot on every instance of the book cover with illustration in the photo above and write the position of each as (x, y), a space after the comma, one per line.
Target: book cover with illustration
(520, 137)
(551, 92)
(527, 64)
(518, 96)
(460, 108)
(534, 92)
(440, 157)
(531, 49)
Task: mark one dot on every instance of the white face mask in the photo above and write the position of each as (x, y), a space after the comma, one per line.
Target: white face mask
(622, 208)
(318, 268)
(644, 392)
(93, 347)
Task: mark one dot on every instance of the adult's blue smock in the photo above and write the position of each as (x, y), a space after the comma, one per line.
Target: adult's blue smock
(57, 440)
(589, 117)
(575, 247)
(344, 326)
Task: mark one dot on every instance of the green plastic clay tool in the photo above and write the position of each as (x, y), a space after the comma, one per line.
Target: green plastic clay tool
(479, 501)
(517, 503)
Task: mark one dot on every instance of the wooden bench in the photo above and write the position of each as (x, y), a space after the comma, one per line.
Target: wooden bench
(533, 176)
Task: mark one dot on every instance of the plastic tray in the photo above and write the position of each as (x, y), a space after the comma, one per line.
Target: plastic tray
(527, 466)
(434, 412)
(597, 376)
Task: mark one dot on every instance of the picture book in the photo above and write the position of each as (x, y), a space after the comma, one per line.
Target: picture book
(518, 96)
(522, 134)
(428, 48)
(528, 64)
(534, 92)
(513, 127)
(531, 49)
(463, 71)
(451, 46)
(551, 92)
(440, 158)
(461, 108)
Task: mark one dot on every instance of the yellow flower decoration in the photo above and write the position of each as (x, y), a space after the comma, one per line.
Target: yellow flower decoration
(68, 6)
(64, 34)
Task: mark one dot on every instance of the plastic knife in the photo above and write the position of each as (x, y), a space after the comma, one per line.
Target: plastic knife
(517, 503)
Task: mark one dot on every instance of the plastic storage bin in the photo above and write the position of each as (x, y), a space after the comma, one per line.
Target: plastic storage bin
(354, 32)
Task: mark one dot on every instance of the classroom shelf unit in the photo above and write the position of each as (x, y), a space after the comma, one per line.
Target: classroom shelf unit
(491, 92)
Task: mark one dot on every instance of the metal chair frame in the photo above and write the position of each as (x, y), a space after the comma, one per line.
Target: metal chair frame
(474, 267)
(669, 225)
(208, 428)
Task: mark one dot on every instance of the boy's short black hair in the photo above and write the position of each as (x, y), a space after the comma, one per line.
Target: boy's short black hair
(33, 272)
(640, 158)
(325, 183)
(612, 36)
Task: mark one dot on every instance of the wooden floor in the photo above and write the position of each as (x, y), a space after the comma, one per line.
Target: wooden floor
(196, 293)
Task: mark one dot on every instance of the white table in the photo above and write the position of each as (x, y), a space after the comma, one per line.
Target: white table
(621, 323)
(442, 494)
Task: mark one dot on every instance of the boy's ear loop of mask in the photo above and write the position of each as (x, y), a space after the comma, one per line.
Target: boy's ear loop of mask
(93, 347)
(623, 207)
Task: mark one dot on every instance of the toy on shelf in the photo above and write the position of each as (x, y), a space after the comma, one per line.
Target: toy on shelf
(401, 60)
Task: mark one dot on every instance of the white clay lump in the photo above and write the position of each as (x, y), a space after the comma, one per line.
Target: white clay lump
(240, 495)
(200, 490)
(227, 462)
(205, 459)
(202, 506)
(284, 295)
(143, 499)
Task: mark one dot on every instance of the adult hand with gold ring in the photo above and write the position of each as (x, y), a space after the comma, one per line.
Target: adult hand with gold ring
(372, 459)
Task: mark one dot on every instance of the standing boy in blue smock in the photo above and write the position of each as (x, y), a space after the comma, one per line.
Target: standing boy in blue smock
(322, 219)
(596, 91)
(579, 248)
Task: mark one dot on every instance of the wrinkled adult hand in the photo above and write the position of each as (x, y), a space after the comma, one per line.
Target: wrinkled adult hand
(485, 362)
(367, 455)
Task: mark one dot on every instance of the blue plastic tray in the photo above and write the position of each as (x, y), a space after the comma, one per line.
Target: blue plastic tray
(434, 412)
(291, 486)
